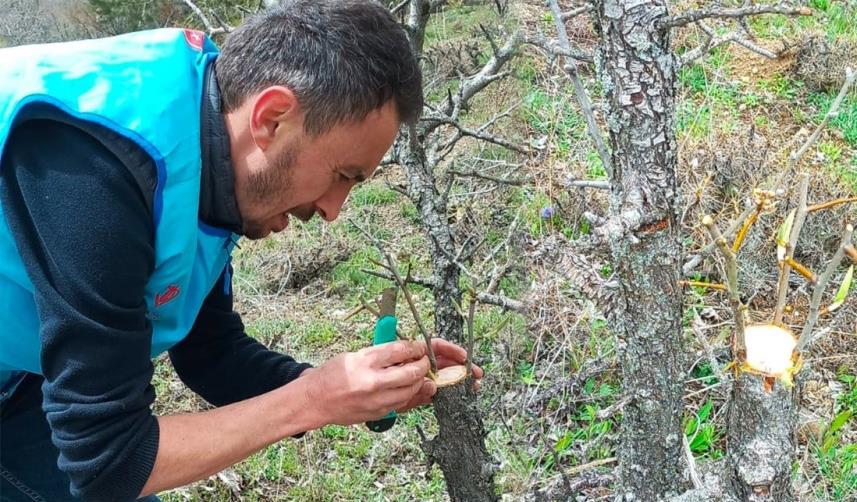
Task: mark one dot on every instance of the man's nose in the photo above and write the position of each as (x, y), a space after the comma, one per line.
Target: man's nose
(329, 205)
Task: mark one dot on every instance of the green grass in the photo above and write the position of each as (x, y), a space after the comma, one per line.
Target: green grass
(837, 460)
(555, 117)
(701, 433)
(372, 194)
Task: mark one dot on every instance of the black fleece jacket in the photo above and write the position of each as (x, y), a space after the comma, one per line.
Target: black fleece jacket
(78, 199)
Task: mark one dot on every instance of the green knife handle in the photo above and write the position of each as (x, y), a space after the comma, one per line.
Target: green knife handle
(385, 332)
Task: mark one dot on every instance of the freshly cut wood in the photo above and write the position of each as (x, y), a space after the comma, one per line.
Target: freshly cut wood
(451, 375)
(769, 349)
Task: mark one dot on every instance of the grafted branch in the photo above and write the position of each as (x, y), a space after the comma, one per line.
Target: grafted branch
(821, 285)
(740, 346)
(785, 267)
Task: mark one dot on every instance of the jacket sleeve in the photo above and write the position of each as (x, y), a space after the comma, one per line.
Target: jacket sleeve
(85, 234)
(220, 362)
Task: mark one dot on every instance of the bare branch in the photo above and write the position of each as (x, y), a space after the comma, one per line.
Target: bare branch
(713, 41)
(552, 47)
(504, 302)
(470, 86)
(208, 26)
(392, 268)
(490, 138)
(832, 203)
(565, 16)
(600, 185)
(718, 12)
(570, 68)
(732, 285)
(823, 281)
(395, 10)
(503, 181)
(795, 157)
(785, 268)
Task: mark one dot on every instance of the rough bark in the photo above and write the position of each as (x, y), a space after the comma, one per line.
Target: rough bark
(459, 448)
(761, 424)
(638, 73)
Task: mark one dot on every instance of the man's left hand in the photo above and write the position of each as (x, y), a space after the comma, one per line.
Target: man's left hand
(447, 354)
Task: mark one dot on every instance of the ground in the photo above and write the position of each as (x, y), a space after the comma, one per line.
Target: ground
(550, 376)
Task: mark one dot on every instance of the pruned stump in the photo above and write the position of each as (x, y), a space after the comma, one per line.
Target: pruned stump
(459, 448)
(762, 417)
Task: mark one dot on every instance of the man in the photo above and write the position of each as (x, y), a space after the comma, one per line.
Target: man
(128, 168)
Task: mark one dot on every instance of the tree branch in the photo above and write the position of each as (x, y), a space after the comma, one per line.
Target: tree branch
(570, 68)
(832, 113)
(208, 26)
(487, 298)
(821, 285)
(718, 12)
(785, 268)
(740, 345)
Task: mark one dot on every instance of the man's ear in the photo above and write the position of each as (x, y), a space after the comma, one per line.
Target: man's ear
(273, 107)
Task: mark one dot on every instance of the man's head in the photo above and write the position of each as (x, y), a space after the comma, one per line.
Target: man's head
(314, 92)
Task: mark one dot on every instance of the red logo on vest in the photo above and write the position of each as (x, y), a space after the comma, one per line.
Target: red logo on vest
(171, 292)
(195, 39)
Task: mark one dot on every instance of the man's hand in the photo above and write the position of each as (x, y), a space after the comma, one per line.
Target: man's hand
(447, 354)
(356, 387)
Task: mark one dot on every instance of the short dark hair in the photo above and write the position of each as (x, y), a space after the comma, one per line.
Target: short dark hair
(341, 58)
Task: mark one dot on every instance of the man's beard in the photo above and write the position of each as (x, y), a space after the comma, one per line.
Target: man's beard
(271, 184)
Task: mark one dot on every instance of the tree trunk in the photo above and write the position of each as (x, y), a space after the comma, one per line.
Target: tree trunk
(761, 422)
(459, 448)
(638, 72)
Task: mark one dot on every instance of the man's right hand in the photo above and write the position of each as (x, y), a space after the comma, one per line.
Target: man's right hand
(356, 387)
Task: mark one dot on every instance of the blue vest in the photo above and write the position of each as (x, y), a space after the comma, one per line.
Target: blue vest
(147, 87)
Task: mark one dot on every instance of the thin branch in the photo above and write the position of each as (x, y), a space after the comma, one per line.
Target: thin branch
(785, 268)
(491, 299)
(570, 68)
(823, 281)
(552, 47)
(208, 26)
(489, 73)
(732, 285)
(717, 12)
(402, 284)
(708, 248)
(395, 10)
(599, 185)
(470, 315)
(565, 16)
(713, 41)
(832, 113)
(829, 204)
(503, 181)
(802, 269)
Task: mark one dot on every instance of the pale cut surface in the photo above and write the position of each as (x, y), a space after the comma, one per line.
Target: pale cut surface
(769, 348)
(451, 375)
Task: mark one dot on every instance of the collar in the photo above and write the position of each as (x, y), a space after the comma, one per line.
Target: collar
(217, 204)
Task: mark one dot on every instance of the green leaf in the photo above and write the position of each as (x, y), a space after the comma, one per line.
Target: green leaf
(783, 234)
(705, 410)
(838, 422)
(839, 299)
(564, 443)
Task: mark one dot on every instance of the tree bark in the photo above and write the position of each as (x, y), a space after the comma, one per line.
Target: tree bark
(459, 448)
(637, 71)
(761, 423)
